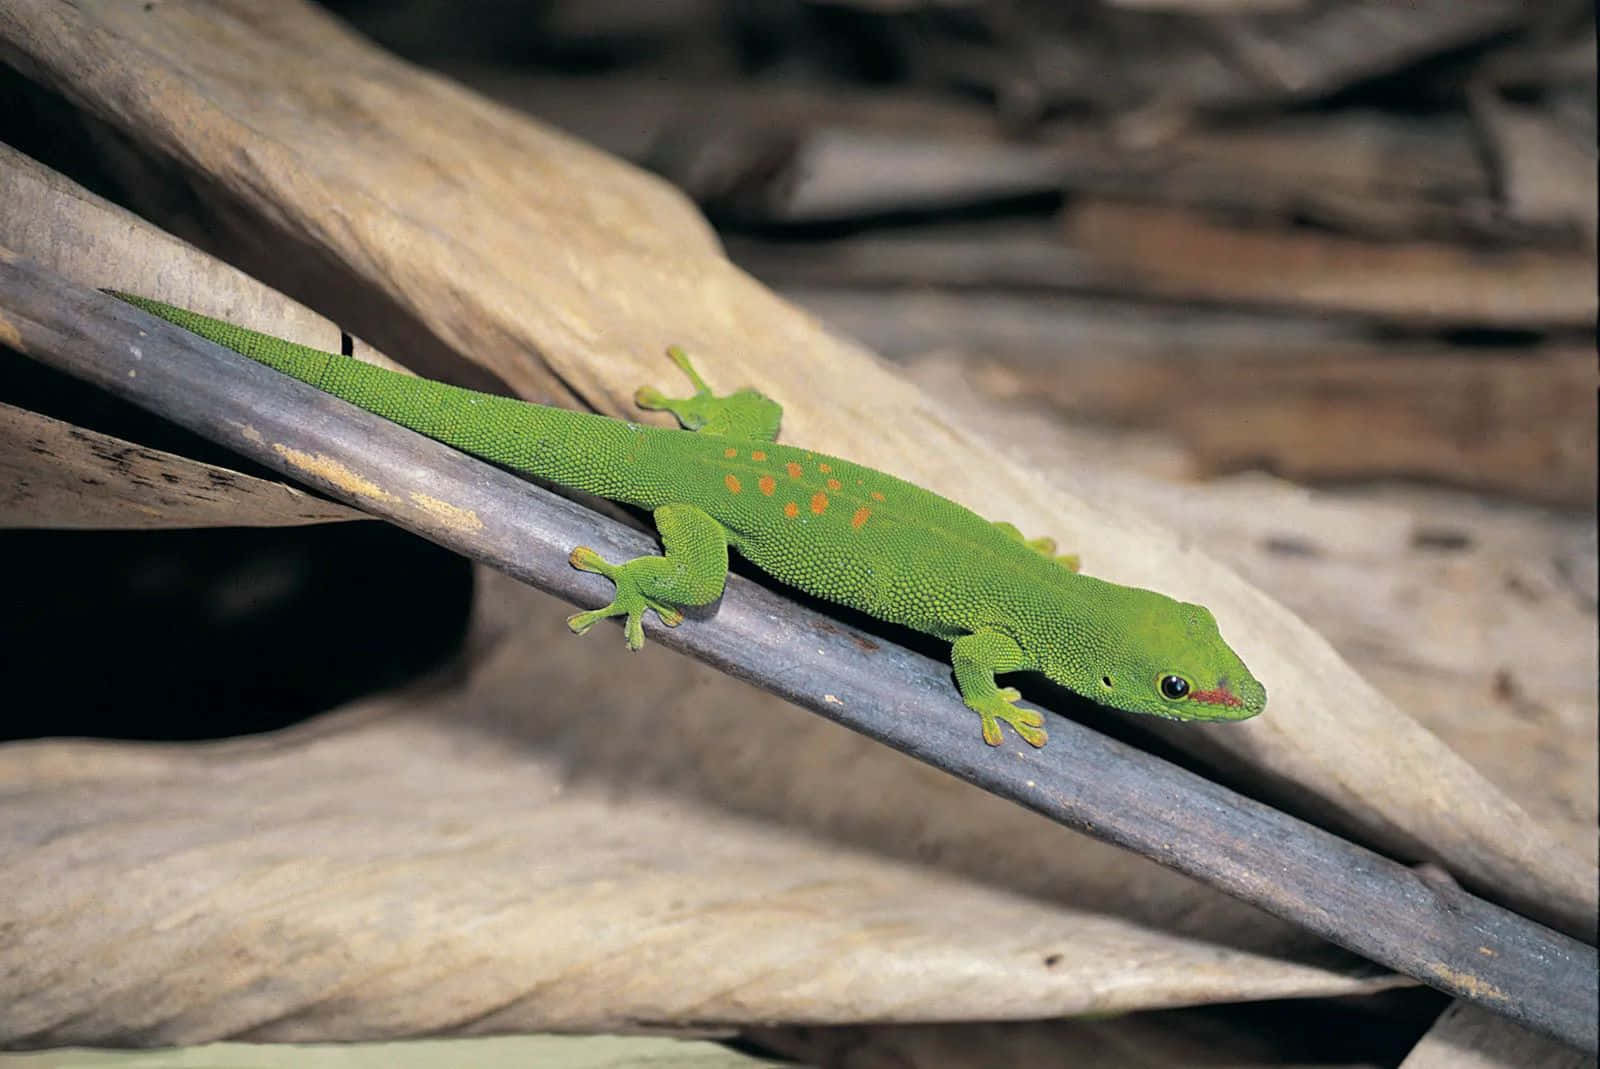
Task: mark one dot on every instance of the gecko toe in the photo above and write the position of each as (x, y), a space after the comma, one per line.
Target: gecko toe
(581, 622)
(991, 731)
(587, 560)
(1033, 736)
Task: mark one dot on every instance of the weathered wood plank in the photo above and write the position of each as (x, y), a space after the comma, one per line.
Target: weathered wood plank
(1304, 397)
(1172, 257)
(1465, 1037)
(56, 475)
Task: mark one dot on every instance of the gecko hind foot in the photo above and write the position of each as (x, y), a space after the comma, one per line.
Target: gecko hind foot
(743, 414)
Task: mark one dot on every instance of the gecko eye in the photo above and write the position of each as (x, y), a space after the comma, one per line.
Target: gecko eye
(1174, 688)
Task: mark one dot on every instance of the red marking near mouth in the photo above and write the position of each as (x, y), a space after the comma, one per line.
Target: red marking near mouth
(1221, 696)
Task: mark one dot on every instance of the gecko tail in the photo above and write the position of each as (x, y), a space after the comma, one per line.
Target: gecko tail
(571, 448)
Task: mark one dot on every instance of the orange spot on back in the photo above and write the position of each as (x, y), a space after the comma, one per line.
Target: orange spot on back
(730, 453)
(834, 484)
(819, 503)
(791, 510)
(860, 517)
(793, 469)
(768, 484)
(824, 468)
(876, 496)
(732, 483)
(758, 455)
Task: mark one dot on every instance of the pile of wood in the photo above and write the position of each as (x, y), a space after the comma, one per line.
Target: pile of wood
(1341, 240)
(1104, 242)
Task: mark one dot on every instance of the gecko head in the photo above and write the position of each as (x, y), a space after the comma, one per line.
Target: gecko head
(1147, 653)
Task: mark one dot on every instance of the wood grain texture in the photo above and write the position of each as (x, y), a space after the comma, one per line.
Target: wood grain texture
(58, 224)
(1337, 890)
(809, 153)
(1180, 255)
(1467, 1038)
(1517, 423)
(1302, 396)
(552, 1052)
(1256, 58)
(56, 475)
(1113, 247)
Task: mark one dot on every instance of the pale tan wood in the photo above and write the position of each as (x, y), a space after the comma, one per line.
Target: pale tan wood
(1547, 172)
(1518, 423)
(56, 475)
(1467, 1037)
(1182, 255)
(553, 844)
(57, 223)
(1304, 397)
(547, 1052)
(848, 152)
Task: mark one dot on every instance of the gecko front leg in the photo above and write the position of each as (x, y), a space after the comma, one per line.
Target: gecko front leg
(976, 659)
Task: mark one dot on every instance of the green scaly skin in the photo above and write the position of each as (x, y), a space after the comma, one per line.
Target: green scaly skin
(834, 529)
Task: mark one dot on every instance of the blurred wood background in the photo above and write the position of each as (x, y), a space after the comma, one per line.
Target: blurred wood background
(1228, 224)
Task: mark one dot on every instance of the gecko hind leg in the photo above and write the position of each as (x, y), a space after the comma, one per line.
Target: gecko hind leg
(691, 573)
(1044, 546)
(745, 414)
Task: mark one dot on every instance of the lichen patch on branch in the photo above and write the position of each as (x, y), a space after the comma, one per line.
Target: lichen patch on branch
(455, 516)
(329, 470)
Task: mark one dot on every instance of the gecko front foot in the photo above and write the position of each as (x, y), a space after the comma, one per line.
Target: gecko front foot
(976, 658)
(690, 574)
(1028, 723)
(630, 601)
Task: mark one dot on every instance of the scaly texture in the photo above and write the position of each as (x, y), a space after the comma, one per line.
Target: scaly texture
(835, 529)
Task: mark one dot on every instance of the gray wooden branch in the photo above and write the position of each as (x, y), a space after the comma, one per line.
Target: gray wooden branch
(1431, 930)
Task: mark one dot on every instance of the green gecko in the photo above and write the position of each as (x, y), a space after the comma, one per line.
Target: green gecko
(838, 530)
